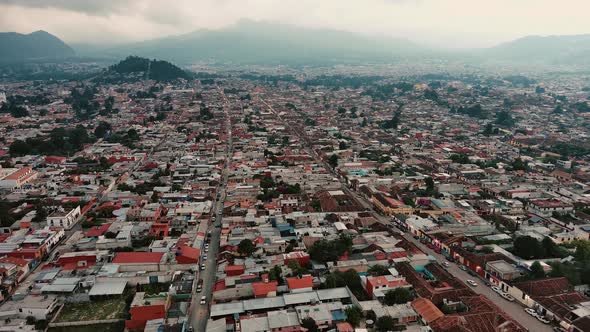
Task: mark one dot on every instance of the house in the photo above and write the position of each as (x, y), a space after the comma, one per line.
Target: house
(37, 306)
(298, 285)
(187, 255)
(139, 261)
(146, 307)
(61, 218)
(377, 286)
(546, 207)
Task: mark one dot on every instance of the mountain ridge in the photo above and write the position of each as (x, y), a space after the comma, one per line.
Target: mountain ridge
(39, 44)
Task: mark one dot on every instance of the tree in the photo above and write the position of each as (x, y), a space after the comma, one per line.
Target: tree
(102, 129)
(19, 148)
(385, 324)
(582, 251)
(537, 270)
(528, 247)
(333, 160)
(110, 235)
(309, 324)
(246, 247)
(377, 270)
(348, 278)
(489, 129)
(353, 315)
(504, 118)
(429, 184)
(519, 165)
(276, 273)
(267, 182)
(397, 296)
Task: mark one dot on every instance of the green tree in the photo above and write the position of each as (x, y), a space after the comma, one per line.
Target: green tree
(385, 324)
(582, 253)
(397, 296)
(102, 128)
(333, 160)
(537, 270)
(19, 148)
(353, 315)
(528, 247)
(246, 247)
(377, 270)
(519, 165)
(276, 274)
(504, 118)
(309, 324)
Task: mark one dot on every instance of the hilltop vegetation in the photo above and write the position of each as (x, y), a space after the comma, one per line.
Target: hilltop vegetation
(134, 68)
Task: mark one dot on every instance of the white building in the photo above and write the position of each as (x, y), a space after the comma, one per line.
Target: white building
(61, 218)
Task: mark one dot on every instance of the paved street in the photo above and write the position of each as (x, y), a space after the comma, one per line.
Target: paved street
(200, 312)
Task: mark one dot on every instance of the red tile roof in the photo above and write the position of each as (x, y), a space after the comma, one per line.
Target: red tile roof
(263, 288)
(138, 257)
(426, 309)
(296, 283)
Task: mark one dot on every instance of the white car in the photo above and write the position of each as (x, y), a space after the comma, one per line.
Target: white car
(203, 299)
(531, 312)
(497, 289)
(507, 296)
(543, 320)
(202, 267)
(472, 283)
(205, 257)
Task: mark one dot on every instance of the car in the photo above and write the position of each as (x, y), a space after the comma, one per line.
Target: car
(543, 319)
(206, 250)
(446, 264)
(205, 257)
(507, 296)
(462, 267)
(202, 267)
(496, 289)
(203, 299)
(190, 329)
(531, 312)
(199, 289)
(472, 283)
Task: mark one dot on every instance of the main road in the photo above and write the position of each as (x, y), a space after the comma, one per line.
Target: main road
(515, 310)
(200, 312)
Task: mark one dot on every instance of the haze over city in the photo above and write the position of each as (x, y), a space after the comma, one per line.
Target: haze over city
(295, 166)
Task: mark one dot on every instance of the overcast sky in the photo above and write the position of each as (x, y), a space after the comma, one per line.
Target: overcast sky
(454, 23)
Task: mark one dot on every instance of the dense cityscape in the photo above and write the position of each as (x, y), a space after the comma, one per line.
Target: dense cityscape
(291, 192)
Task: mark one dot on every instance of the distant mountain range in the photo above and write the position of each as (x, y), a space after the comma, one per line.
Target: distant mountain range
(40, 44)
(249, 42)
(573, 49)
(253, 42)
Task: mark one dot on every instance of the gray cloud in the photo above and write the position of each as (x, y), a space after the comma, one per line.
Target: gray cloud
(89, 7)
(452, 23)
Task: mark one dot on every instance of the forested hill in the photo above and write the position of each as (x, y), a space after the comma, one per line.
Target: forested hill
(134, 67)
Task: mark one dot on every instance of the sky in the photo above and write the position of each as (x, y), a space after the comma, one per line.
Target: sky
(444, 23)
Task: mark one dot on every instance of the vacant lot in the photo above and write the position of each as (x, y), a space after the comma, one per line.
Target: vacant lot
(94, 310)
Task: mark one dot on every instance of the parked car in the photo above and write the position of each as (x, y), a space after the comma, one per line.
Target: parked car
(462, 267)
(446, 264)
(202, 267)
(497, 289)
(543, 319)
(472, 283)
(203, 299)
(507, 296)
(531, 312)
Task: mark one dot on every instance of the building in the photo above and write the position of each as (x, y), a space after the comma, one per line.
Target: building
(12, 178)
(61, 218)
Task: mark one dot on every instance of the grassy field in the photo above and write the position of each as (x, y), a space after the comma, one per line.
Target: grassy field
(94, 310)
